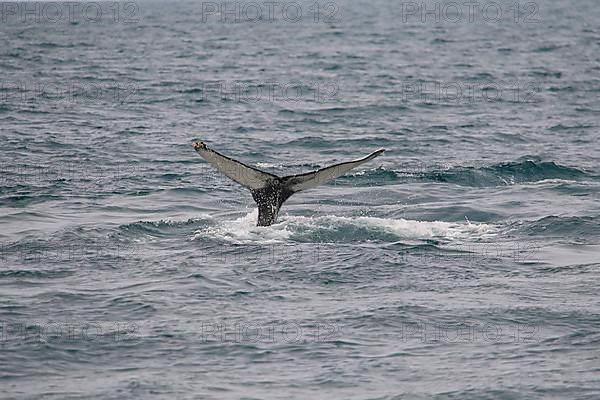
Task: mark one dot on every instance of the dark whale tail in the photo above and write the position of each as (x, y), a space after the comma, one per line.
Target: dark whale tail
(271, 191)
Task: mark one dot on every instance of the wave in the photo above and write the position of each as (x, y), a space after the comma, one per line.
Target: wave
(584, 229)
(163, 227)
(508, 174)
(504, 174)
(31, 273)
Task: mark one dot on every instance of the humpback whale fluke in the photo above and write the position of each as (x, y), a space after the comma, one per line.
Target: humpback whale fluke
(271, 191)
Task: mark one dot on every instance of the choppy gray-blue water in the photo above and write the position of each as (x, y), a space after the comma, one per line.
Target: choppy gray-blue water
(462, 264)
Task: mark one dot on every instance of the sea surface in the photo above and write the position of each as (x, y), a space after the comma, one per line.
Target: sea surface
(463, 263)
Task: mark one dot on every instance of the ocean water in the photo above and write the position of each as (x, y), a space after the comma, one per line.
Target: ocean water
(461, 264)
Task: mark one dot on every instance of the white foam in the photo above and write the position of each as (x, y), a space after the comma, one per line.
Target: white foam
(561, 181)
(403, 228)
(244, 229)
(174, 221)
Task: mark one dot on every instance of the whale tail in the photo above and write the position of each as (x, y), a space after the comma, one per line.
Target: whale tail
(271, 191)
